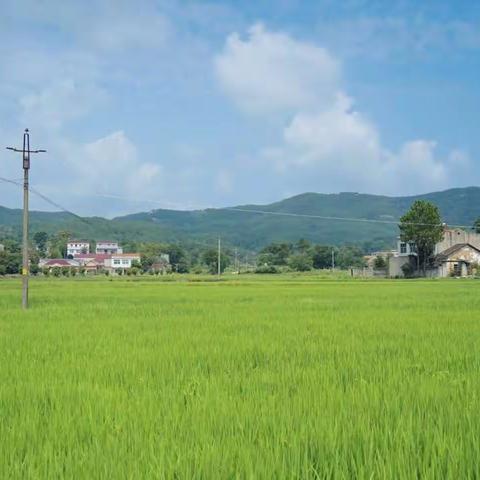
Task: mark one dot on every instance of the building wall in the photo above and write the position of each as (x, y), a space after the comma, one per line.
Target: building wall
(455, 236)
(463, 258)
(108, 247)
(76, 248)
(395, 265)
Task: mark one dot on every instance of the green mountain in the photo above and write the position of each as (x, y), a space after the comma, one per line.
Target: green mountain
(252, 230)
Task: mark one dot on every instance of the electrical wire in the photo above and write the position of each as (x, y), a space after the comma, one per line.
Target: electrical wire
(250, 210)
(48, 200)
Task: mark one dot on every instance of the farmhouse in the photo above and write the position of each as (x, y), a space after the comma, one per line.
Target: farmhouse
(108, 246)
(77, 247)
(121, 261)
(455, 255)
(92, 262)
(57, 263)
(2, 247)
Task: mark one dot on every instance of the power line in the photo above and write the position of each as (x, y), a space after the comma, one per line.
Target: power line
(346, 219)
(48, 200)
(266, 212)
(299, 215)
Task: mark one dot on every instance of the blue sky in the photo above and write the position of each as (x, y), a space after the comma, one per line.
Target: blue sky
(171, 104)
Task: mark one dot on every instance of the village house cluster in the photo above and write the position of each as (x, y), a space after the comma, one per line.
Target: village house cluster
(108, 257)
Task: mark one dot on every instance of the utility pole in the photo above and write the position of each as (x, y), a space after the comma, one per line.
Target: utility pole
(333, 259)
(237, 269)
(25, 151)
(219, 271)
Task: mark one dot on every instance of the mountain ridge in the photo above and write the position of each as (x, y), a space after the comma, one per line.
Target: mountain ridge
(254, 230)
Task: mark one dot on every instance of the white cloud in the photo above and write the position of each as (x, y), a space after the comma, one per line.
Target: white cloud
(326, 137)
(112, 164)
(268, 72)
(58, 103)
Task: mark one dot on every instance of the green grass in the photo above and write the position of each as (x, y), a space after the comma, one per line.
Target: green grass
(279, 377)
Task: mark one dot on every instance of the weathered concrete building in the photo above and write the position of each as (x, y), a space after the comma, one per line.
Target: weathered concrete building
(457, 254)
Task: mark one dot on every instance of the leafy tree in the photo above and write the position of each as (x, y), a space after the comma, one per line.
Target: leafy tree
(303, 246)
(210, 259)
(322, 256)
(380, 263)
(476, 225)
(40, 240)
(350, 256)
(178, 258)
(58, 244)
(423, 226)
(10, 259)
(275, 254)
(300, 262)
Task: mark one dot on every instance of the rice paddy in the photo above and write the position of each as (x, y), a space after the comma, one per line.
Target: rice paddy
(278, 377)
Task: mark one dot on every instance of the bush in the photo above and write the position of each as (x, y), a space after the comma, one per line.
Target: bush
(56, 271)
(301, 262)
(266, 269)
(408, 270)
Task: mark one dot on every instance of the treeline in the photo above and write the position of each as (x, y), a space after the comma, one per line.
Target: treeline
(303, 256)
(194, 258)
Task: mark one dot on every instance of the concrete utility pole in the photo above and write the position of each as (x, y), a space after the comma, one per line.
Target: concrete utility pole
(25, 151)
(219, 271)
(237, 269)
(333, 259)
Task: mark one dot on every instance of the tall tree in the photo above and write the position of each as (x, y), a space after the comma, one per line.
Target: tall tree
(210, 258)
(40, 240)
(422, 225)
(476, 225)
(58, 244)
(322, 256)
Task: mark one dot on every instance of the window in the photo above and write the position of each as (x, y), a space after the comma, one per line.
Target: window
(413, 247)
(403, 247)
(116, 262)
(125, 262)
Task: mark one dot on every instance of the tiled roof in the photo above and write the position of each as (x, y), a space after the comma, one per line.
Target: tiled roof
(58, 261)
(94, 256)
(442, 256)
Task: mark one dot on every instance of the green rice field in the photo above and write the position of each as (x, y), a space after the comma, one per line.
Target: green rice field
(249, 378)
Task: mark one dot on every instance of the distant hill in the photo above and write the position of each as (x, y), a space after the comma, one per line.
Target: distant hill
(254, 230)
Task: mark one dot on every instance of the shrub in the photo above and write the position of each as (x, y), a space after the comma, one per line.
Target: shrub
(266, 269)
(408, 270)
(56, 271)
(300, 262)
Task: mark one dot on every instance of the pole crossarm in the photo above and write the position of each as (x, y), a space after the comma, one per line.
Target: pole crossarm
(20, 150)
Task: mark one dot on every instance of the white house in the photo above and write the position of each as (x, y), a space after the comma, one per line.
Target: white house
(121, 261)
(2, 247)
(77, 247)
(107, 246)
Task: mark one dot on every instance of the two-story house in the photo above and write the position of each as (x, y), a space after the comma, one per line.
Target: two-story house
(77, 247)
(108, 246)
